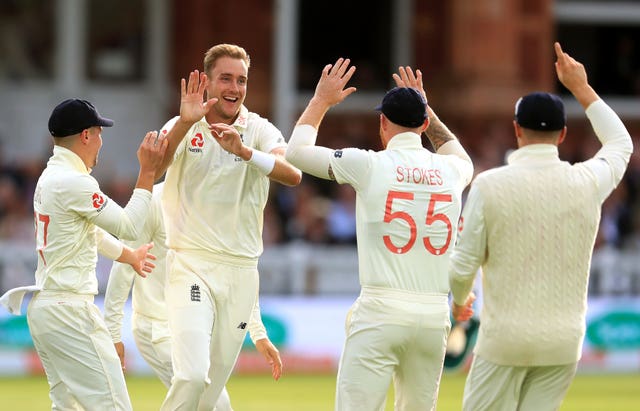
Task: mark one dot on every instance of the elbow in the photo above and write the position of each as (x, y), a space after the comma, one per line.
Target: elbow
(131, 232)
(294, 178)
(297, 178)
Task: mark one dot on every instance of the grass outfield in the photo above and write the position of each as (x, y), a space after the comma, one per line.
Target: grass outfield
(315, 393)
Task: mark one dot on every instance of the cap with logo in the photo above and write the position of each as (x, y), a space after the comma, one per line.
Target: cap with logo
(74, 115)
(541, 111)
(404, 106)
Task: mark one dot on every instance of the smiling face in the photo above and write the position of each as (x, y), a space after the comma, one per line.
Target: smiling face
(227, 80)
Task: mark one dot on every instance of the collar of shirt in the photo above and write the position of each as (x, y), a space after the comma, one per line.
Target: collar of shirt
(407, 139)
(534, 154)
(62, 155)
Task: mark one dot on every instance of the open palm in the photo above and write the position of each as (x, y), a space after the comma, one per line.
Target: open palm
(192, 107)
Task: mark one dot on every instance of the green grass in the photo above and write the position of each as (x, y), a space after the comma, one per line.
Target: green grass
(315, 393)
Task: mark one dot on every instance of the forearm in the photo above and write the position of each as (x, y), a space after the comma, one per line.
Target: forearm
(256, 328)
(284, 172)
(116, 295)
(461, 285)
(585, 95)
(108, 245)
(174, 137)
(126, 223)
(437, 132)
(304, 154)
(314, 113)
(146, 179)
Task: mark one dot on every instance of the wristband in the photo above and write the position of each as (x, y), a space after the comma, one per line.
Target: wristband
(262, 161)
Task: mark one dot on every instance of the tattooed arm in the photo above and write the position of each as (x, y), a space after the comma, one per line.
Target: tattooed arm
(437, 132)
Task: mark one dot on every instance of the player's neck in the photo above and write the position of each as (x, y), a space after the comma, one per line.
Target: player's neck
(213, 118)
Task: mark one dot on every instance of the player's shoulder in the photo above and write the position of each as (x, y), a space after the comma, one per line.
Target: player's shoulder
(354, 153)
(492, 173)
(169, 124)
(256, 120)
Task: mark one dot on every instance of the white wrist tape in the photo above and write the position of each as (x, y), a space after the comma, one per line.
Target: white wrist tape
(108, 245)
(262, 161)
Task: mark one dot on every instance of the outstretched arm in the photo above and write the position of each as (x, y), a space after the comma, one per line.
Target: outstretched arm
(330, 90)
(611, 161)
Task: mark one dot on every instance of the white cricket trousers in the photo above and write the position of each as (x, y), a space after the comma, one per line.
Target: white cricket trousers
(494, 387)
(209, 304)
(78, 355)
(154, 344)
(393, 335)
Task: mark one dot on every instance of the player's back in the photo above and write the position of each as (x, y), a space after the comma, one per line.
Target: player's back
(407, 219)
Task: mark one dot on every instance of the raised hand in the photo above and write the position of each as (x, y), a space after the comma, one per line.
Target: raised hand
(192, 106)
(331, 86)
(573, 76)
(571, 73)
(152, 150)
(406, 78)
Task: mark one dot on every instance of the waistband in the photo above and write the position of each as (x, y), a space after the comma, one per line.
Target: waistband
(219, 258)
(404, 295)
(51, 295)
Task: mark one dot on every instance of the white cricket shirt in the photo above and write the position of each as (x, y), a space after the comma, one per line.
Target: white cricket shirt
(68, 205)
(407, 208)
(213, 200)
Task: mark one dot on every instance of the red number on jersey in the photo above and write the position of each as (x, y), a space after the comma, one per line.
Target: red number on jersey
(389, 216)
(431, 218)
(44, 219)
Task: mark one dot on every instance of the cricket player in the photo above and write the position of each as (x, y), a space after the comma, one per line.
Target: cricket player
(220, 160)
(72, 217)
(150, 320)
(531, 226)
(407, 208)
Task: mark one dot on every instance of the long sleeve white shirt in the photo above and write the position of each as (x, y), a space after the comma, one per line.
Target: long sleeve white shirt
(68, 209)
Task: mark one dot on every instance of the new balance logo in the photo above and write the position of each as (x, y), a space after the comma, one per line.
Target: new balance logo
(195, 293)
(242, 326)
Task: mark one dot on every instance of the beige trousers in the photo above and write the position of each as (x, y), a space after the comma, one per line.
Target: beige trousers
(81, 363)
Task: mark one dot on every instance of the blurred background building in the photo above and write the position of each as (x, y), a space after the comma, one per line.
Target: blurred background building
(478, 57)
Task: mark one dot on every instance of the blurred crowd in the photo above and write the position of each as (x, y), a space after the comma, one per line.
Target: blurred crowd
(322, 212)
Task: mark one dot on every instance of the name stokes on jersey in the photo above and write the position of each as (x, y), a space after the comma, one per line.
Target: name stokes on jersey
(417, 175)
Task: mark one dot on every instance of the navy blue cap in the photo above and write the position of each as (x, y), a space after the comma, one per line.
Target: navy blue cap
(74, 115)
(404, 106)
(541, 111)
